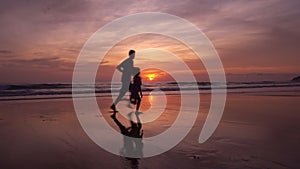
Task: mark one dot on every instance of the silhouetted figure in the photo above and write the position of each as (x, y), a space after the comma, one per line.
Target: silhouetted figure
(136, 89)
(131, 146)
(126, 68)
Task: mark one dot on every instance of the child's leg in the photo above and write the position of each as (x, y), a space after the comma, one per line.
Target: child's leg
(138, 103)
(138, 120)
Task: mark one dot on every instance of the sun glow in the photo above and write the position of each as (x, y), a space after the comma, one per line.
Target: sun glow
(151, 76)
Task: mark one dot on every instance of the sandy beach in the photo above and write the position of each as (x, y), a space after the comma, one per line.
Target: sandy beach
(66, 67)
(258, 130)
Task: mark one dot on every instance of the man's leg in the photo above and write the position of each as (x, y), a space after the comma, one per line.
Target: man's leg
(122, 92)
(119, 124)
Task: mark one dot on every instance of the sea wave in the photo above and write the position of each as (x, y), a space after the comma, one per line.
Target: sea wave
(59, 89)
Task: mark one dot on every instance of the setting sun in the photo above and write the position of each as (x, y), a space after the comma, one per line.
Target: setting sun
(151, 76)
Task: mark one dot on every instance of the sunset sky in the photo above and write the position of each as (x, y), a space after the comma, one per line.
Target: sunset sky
(40, 40)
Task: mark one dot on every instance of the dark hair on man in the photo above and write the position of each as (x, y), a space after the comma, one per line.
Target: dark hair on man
(131, 52)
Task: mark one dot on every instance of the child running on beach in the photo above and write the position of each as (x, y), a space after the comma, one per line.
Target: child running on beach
(135, 88)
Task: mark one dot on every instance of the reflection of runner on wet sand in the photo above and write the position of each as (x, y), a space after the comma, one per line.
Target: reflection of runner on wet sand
(126, 68)
(132, 140)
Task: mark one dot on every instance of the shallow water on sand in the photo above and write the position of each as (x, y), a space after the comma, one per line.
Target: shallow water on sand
(257, 131)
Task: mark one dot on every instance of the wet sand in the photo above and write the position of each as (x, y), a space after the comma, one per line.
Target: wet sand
(257, 131)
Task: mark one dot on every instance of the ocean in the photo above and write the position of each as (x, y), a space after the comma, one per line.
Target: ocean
(64, 90)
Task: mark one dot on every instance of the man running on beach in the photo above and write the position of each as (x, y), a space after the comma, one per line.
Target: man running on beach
(126, 68)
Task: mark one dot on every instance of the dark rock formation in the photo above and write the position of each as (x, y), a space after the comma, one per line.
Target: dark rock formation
(296, 79)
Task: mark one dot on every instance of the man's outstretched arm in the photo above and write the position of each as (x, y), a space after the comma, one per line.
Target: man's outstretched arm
(120, 67)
